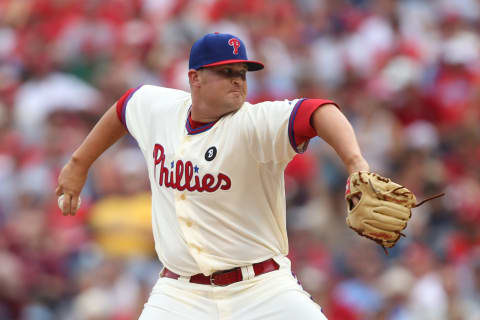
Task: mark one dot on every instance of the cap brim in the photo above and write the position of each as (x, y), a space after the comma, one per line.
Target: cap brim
(251, 65)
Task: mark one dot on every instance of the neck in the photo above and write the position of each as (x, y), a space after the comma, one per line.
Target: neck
(200, 115)
(202, 112)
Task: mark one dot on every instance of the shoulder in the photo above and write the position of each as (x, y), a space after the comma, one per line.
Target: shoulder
(154, 92)
(276, 103)
(263, 112)
(264, 107)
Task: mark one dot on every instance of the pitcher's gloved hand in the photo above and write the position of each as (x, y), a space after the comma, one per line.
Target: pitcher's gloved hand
(383, 209)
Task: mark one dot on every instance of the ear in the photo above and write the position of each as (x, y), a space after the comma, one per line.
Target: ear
(194, 78)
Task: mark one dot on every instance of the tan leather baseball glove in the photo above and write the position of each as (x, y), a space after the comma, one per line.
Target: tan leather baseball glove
(383, 210)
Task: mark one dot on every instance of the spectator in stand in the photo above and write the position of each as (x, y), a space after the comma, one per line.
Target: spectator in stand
(406, 72)
(121, 222)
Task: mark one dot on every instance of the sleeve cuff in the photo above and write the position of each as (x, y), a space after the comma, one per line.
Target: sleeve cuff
(122, 105)
(300, 130)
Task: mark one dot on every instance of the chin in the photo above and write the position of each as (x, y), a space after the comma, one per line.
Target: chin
(234, 104)
(237, 105)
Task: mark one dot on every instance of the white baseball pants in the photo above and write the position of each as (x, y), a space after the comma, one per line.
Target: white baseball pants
(274, 295)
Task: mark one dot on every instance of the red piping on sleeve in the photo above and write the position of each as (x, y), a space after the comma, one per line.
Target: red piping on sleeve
(121, 104)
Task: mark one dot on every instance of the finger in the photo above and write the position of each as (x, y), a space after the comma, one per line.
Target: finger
(67, 204)
(356, 199)
(379, 233)
(388, 219)
(387, 223)
(74, 205)
(61, 203)
(394, 210)
(58, 191)
(353, 200)
(63, 208)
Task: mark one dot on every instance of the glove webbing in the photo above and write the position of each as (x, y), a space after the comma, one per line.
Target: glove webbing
(385, 197)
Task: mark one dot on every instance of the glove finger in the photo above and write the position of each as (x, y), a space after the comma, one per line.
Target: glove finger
(387, 223)
(389, 244)
(393, 210)
(380, 234)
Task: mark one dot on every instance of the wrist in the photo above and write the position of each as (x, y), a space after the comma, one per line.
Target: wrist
(357, 163)
(80, 163)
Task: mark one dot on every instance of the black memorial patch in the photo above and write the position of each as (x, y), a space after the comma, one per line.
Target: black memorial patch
(211, 154)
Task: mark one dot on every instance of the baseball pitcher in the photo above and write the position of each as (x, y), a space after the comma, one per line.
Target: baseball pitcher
(215, 164)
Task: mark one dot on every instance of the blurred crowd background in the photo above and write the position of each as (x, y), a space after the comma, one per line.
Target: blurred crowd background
(406, 73)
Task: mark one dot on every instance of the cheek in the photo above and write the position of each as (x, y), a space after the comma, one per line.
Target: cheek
(215, 85)
(210, 87)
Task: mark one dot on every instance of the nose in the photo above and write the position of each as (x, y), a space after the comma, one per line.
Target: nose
(237, 80)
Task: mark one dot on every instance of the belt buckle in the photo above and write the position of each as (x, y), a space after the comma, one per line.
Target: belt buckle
(212, 280)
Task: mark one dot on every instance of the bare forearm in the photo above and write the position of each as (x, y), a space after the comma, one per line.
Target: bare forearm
(74, 174)
(333, 127)
(105, 133)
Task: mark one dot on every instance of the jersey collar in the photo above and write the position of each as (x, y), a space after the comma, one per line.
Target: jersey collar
(194, 127)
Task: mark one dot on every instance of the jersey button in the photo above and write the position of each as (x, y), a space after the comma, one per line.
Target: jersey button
(186, 221)
(183, 196)
(194, 246)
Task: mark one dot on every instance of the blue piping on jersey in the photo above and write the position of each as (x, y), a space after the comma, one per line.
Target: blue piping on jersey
(291, 133)
(199, 129)
(124, 107)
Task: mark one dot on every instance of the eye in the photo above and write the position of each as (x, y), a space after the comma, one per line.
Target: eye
(231, 73)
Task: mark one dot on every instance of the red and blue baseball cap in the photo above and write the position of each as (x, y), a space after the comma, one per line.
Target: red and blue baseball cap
(215, 49)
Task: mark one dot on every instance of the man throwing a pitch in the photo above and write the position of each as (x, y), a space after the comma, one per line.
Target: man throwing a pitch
(215, 164)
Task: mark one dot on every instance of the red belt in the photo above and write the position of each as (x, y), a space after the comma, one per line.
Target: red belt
(227, 277)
